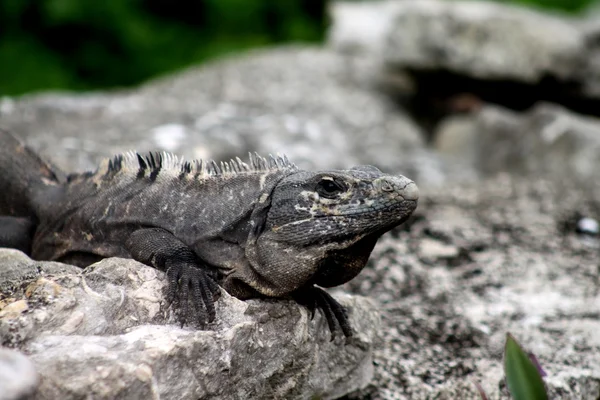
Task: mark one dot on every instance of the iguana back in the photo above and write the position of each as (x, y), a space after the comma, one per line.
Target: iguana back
(195, 201)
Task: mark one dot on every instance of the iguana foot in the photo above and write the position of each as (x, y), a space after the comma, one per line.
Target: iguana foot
(188, 283)
(314, 297)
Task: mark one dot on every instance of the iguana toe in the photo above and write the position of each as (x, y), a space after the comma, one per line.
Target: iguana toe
(335, 314)
(190, 284)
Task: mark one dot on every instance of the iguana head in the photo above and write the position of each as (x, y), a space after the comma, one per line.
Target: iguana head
(333, 207)
(320, 227)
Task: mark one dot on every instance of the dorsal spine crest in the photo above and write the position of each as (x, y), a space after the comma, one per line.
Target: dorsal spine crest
(115, 164)
(152, 164)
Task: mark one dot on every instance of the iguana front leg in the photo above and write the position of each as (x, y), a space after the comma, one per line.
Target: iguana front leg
(187, 278)
(314, 297)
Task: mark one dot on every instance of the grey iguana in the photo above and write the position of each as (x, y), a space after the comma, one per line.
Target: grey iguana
(259, 229)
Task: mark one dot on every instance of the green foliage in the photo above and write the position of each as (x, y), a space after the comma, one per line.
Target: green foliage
(82, 45)
(522, 376)
(562, 5)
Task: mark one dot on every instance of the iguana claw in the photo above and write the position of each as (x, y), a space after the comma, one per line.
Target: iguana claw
(188, 283)
(314, 297)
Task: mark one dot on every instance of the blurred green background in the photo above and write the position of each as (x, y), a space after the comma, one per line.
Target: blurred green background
(84, 45)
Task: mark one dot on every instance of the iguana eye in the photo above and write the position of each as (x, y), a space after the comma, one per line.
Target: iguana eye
(329, 188)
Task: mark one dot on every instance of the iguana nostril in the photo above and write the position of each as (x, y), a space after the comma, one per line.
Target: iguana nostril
(386, 187)
(400, 184)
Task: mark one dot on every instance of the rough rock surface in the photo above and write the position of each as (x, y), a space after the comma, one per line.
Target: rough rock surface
(102, 333)
(18, 377)
(545, 141)
(488, 51)
(484, 40)
(362, 27)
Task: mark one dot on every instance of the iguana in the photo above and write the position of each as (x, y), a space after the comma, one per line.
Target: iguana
(259, 229)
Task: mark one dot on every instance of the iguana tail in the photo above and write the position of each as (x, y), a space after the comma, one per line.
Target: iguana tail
(23, 176)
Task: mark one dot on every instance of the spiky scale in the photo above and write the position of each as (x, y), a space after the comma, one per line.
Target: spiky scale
(200, 169)
(241, 165)
(155, 164)
(186, 169)
(225, 168)
(150, 160)
(256, 164)
(215, 168)
(142, 166)
(115, 164)
(272, 162)
(141, 161)
(261, 162)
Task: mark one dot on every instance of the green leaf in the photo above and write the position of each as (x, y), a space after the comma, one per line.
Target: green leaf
(522, 376)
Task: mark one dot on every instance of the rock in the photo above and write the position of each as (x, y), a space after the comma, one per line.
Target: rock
(315, 105)
(13, 309)
(361, 27)
(444, 57)
(18, 378)
(588, 75)
(484, 40)
(588, 226)
(433, 250)
(102, 333)
(547, 141)
(18, 267)
(320, 107)
(454, 142)
(456, 136)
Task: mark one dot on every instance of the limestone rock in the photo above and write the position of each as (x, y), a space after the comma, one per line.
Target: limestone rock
(103, 333)
(484, 40)
(18, 378)
(362, 27)
(452, 56)
(548, 141)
